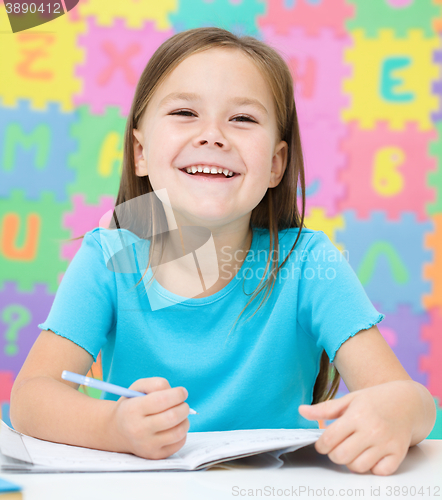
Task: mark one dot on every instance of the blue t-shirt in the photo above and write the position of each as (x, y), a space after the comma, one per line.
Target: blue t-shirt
(254, 377)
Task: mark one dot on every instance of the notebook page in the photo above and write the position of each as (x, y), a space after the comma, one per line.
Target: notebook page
(12, 444)
(63, 457)
(200, 450)
(209, 448)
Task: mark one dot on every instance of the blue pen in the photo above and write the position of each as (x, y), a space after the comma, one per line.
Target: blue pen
(105, 386)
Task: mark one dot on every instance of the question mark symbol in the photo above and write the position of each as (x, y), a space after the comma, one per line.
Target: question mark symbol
(16, 316)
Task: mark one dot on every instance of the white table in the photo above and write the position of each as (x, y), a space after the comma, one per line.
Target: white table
(421, 469)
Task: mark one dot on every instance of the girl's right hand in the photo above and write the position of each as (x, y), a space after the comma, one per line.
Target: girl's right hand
(153, 426)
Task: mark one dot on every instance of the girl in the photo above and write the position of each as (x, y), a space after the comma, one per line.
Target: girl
(212, 159)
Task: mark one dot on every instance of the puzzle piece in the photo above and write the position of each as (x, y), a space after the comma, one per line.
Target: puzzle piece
(322, 164)
(342, 391)
(115, 59)
(388, 257)
(96, 370)
(436, 433)
(318, 221)
(133, 12)
(6, 383)
(99, 157)
(395, 88)
(387, 170)
(90, 391)
(35, 147)
(312, 17)
(30, 232)
(82, 219)
(431, 271)
(239, 18)
(39, 66)
(375, 15)
(430, 363)
(435, 178)
(437, 86)
(20, 313)
(402, 330)
(4, 414)
(437, 22)
(5, 25)
(317, 67)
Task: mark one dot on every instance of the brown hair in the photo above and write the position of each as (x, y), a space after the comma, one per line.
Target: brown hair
(278, 209)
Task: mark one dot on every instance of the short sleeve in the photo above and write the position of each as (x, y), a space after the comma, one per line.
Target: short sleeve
(83, 310)
(332, 303)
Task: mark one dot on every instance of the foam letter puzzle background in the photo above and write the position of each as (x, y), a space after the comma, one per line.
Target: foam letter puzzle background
(368, 91)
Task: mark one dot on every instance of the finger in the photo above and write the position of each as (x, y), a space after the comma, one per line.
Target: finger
(387, 465)
(373, 459)
(348, 449)
(160, 401)
(167, 451)
(336, 433)
(390, 457)
(327, 410)
(149, 385)
(173, 435)
(169, 418)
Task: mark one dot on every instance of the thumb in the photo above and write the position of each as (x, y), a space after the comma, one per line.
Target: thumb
(327, 410)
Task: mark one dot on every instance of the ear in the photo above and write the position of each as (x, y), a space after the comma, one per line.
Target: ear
(279, 163)
(139, 155)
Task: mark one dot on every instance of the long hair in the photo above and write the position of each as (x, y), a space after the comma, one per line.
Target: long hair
(277, 210)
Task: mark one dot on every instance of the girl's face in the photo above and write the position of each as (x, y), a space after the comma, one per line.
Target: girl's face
(211, 126)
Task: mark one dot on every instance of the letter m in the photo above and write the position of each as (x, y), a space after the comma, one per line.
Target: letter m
(40, 138)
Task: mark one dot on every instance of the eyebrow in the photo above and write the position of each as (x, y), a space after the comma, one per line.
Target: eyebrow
(190, 96)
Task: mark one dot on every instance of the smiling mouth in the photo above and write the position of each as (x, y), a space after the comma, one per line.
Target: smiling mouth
(217, 176)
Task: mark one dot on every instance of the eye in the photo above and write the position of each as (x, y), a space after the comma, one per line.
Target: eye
(183, 113)
(247, 118)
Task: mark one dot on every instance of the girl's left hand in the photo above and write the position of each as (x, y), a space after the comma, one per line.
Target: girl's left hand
(373, 430)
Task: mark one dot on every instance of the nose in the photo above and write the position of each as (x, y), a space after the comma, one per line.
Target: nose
(217, 143)
(213, 136)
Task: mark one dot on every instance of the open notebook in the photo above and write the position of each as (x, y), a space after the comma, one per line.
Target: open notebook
(201, 450)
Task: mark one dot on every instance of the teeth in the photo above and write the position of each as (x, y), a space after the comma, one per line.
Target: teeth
(209, 170)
